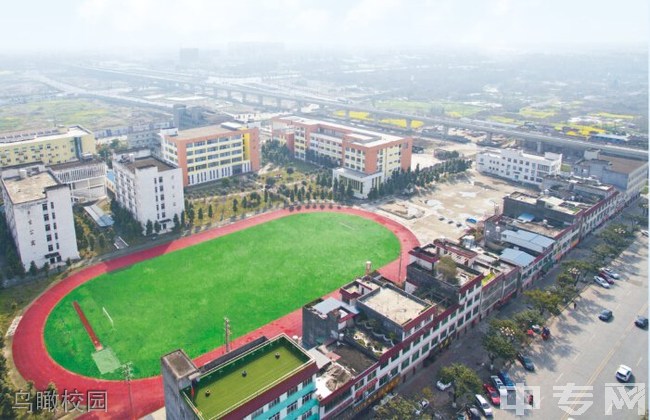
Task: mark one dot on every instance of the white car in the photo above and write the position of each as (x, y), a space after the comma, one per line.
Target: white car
(442, 386)
(623, 373)
(613, 274)
(483, 405)
(601, 281)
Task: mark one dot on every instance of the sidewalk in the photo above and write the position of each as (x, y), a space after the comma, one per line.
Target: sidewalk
(468, 348)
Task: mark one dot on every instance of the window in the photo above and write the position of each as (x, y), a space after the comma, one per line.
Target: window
(274, 402)
(306, 397)
(47, 228)
(276, 416)
(50, 248)
(306, 415)
(306, 383)
(292, 390)
(257, 412)
(44, 206)
(405, 364)
(49, 238)
(292, 407)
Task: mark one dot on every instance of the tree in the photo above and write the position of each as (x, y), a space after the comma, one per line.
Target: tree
(349, 193)
(465, 381)
(190, 215)
(244, 202)
(149, 227)
(398, 408)
(33, 270)
(234, 205)
(157, 227)
(200, 215)
(176, 222)
(101, 241)
(446, 266)
(266, 196)
(182, 218)
(544, 300)
(526, 319)
(210, 211)
(502, 340)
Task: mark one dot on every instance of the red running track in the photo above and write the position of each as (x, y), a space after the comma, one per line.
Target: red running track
(34, 362)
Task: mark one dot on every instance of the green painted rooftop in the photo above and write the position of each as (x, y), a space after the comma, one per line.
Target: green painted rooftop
(225, 388)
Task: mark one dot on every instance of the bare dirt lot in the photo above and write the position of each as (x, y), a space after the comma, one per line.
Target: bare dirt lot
(444, 210)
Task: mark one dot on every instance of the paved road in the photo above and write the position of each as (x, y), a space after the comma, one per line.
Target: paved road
(586, 351)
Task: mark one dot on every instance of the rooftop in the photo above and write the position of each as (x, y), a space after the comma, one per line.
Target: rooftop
(358, 135)
(179, 363)
(517, 257)
(30, 188)
(398, 307)
(76, 164)
(623, 165)
(147, 162)
(266, 366)
(210, 130)
(44, 134)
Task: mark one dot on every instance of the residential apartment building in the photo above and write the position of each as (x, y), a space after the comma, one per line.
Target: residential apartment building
(365, 158)
(628, 175)
(38, 209)
(150, 189)
(265, 379)
(50, 146)
(86, 178)
(209, 153)
(518, 166)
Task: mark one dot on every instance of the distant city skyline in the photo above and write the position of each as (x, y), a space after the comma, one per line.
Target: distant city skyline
(490, 25)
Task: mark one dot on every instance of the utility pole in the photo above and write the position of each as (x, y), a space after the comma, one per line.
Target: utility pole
(127, 369)
(227, 328)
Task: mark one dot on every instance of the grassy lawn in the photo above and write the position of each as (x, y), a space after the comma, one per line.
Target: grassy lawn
(536, 113)
(180, 299)
(91, 113)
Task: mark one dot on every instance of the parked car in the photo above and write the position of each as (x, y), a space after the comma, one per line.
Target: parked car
(498, 383)
(605, 315)
(507, 381)
(473, 413)
(623, 373)
(441, 218)
(493, 395)
(611, 272)
(609, 279)
(483, 405)
(526, 362)
(601, 281)
(442, 386)
(421, 406)
(641, 322)
(644, 233)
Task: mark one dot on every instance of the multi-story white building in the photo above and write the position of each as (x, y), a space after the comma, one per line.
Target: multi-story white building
(38, 209)
(86, 179)
(515, 165)
(366, 159)
(152, 190)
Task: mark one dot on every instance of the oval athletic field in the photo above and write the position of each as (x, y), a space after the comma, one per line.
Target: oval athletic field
(141, 308)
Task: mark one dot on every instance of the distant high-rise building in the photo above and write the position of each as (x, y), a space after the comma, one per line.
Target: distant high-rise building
(188, 55)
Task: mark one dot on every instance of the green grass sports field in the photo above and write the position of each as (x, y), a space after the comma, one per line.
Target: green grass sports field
(179, 300)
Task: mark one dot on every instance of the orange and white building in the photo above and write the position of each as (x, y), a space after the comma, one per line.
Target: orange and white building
(365, 158)
(209, 153)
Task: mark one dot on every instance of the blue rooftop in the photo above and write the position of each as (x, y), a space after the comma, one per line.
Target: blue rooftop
(517, 257)
(330, 304)
(526, 217)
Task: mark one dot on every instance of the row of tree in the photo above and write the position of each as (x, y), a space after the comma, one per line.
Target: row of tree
(276, 152)
(13, 267)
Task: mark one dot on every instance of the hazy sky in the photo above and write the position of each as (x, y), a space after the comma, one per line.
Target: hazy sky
(491, 24)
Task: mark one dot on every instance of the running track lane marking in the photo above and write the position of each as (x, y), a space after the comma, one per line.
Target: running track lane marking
(29, 343)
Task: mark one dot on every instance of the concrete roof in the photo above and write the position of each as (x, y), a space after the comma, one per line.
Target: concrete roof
(362, 136)
(43, 135)
(394, 305)
(31, 188)
(210, 130)
(148, 162)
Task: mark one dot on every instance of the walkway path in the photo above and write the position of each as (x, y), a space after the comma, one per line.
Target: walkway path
(34, 362)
